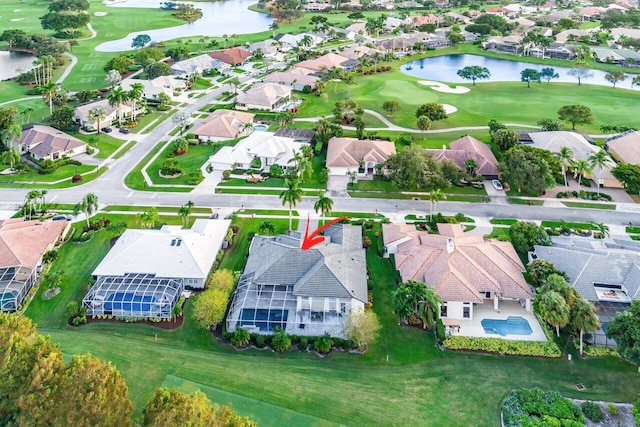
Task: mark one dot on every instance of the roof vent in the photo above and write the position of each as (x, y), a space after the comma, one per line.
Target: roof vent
(450, 246)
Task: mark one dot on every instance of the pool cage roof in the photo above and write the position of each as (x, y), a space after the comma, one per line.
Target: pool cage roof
(134, 295)
(15, 283)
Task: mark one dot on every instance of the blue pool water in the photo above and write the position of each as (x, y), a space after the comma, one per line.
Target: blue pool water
(266, 320)
(259, 128)
(128, 302)
(513, 325)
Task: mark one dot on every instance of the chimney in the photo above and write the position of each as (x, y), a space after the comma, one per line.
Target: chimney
(444, 146)
(450, 246)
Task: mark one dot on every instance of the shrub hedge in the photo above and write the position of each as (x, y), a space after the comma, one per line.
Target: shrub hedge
(505, 347)
(535, 407)
(592, 411)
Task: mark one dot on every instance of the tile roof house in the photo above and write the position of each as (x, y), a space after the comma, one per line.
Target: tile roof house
(599, 271)
(45, 142)
(327, 62)
(234, 56)
(468, 147)
(198, 64)
(223, 124)
(625, 147)
(304, 292)
(359, 155)
(507, 44)
(553, 141)
(22, 246)
(296, 77)
(267, 147)
(171, 252)
(463, 270)
(264, 96)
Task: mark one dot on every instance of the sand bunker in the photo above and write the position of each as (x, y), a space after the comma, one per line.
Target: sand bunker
(448, 108)
(99, 13)
(17, 20)
(440, 87)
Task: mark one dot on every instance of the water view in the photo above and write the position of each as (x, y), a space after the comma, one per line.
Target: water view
(14, 63)
(218, 18)
(444, 69)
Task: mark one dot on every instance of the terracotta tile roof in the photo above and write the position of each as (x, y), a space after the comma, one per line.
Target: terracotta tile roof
(233, 56)
(348, 152)
(465, 148)
(24, 242)
(328, 61)
(224, 124)
(456, 265)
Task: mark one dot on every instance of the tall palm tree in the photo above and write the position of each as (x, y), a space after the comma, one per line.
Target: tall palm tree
(434, 197)
(43, 194)
(26, 113)
(117, 97)
(12, 133)
(584, 318)
(97, 114)
(49, 91)
(52, 279)
(10, 157)
(429, 308)
(580, 168)
(30, 203)
(597, 161)
(470, 167)
(183, 211)
(324, 205)
(601, 228)
(88, 205)
(407, 297)
(291, 195)
(135, 94)
(149, 218)
(554, 309)
(274, 27)
(565, 158)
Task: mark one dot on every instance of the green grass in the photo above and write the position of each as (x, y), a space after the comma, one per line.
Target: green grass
(123, 208)
(164, 116)
(574, 225)
(364, 215)
(634, 230)
(518, 201)
(589, 205)
(136, 181)
(188, 163)
(63, 172)
(499, 233)
(404, 376)
(503, 221)
(146, 119)
(275, 212)
(384, 188)
(105, 143)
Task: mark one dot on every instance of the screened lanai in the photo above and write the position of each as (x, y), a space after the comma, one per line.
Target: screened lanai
(15, 284)
(133, 295)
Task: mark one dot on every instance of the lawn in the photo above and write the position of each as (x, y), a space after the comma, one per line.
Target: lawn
(503, 221)
(573, 225)
(136, 181)
(188, 163)
(63, 172)
(511, 102)
(105, 143)
(586, 205)
(399, 381)
(172, 209)
(384, 185)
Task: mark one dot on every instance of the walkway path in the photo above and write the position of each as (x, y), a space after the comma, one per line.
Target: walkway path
(73, 58)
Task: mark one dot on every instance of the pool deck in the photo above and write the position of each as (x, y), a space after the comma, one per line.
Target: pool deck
(473, 328)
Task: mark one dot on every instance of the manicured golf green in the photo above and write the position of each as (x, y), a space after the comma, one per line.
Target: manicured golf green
(403, 380)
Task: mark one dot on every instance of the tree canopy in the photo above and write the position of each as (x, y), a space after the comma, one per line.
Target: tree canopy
(432, 110)
(526, 234)
(474, 72)
(575, 114)
(414, 168)
(625, 329)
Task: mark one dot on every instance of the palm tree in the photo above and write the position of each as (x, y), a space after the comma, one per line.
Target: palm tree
(52, 279)
(30, 203)
(10, 157)
(324, 205)
(43, 194)
(274, 27)
(291, 195)
(434, 197)
(27, 113)
(184, 212)
(601, 228)
(597, 161)
(429, 308)
(49, 91)
(234, 82)
(117, 97)
(302, 164)
(554, 309)
(580, 168)
(407, 297)
(97, 114)
(565, 158)
(12, 133)
(88, 206)
(135, 94)
(149, 218)
(267, 227)
(470, 166)
(584, 318)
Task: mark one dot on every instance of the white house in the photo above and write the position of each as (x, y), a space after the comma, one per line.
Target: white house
(82, 113)
(198, 64)
(357, 155)
(169, 85)
(264, 146)
(171, 252)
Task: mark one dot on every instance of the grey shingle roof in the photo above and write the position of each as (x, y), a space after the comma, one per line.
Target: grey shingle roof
(331, 269)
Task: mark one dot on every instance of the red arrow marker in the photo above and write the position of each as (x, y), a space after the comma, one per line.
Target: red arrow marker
(313, 239)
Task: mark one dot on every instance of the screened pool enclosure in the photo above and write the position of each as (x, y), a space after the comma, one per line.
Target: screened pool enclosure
(133, 295)
(15, 284)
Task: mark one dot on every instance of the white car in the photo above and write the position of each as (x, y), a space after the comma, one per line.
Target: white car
(497, 185)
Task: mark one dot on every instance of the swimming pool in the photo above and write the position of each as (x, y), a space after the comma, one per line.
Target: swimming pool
(129, 302)
(259, 128)
(512, 325)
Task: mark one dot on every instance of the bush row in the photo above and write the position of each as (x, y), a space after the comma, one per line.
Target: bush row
(281, 342)
(528, 407)
(504, 347)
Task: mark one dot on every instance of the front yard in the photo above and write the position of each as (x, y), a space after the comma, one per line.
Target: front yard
(188, 163)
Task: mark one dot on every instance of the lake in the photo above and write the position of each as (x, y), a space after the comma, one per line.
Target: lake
(445, 68)
(218, 18)
(12, 61)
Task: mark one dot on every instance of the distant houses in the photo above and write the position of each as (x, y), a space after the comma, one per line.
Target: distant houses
(264, 96)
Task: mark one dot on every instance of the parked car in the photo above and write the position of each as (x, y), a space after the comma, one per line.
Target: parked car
(106, 129)
(497, 185)
(124, 130)
(62, 218)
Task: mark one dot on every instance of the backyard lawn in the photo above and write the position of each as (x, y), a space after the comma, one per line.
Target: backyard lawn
(403, 380)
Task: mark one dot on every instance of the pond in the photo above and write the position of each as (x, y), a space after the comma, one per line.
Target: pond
(14, 63)
(445, 68)
(218, 18)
